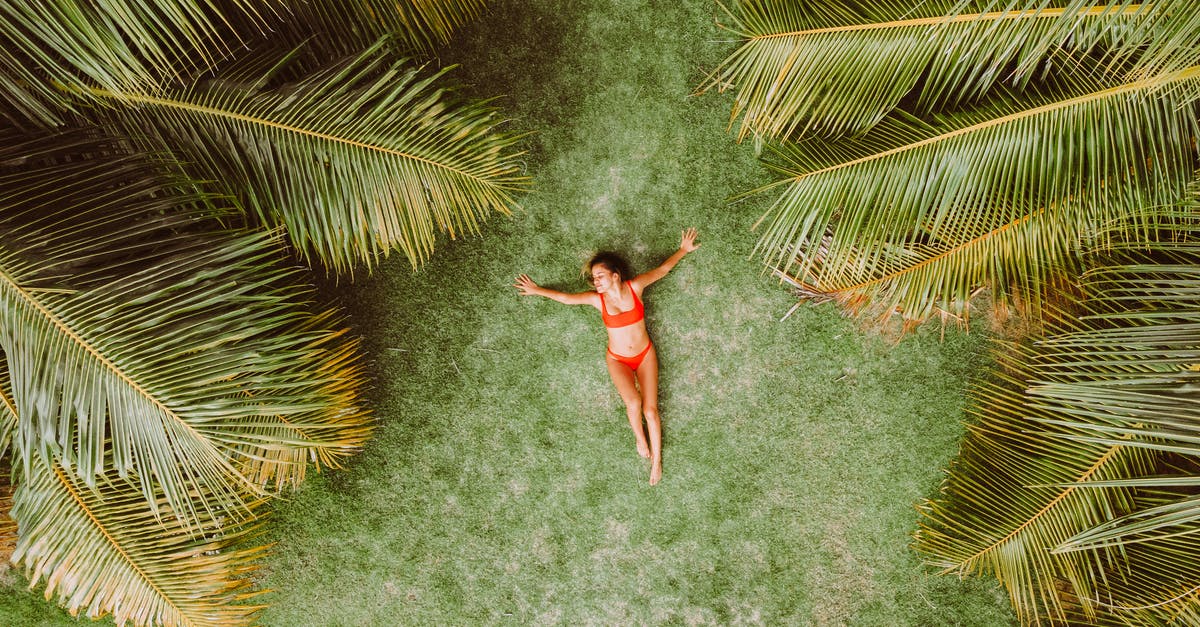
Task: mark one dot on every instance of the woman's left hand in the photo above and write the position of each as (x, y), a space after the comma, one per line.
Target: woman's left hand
(688, 242)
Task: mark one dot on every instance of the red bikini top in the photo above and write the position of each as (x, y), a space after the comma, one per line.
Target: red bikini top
(625, 318)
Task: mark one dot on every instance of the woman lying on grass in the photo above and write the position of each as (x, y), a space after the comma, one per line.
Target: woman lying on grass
(632, 362)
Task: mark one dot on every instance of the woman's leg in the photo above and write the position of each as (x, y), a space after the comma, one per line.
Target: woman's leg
(622, 377)
(647, 377)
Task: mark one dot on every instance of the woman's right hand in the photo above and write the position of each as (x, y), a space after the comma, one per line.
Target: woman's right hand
(525, 285)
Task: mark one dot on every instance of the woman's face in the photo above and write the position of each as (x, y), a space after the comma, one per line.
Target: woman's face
(603, 278)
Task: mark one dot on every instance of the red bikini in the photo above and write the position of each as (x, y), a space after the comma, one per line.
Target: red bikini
(624, 319)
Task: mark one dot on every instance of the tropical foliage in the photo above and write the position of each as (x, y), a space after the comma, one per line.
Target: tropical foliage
(164, 370)
(1044, 151)
(930, 151)
(1077, 487)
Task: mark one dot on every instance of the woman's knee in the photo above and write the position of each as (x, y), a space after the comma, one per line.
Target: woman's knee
(650, 411)
(634, 407)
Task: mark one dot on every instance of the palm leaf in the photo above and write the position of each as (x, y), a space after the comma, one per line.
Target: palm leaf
(125, 318)
(1003, 506)
(838, 67)
(325, 368)
(361, 159)
(917, 216)
(1172, 26)
(346, 27)
(1090, 415)
(1132, 375)
(103, 550)
(116, 45)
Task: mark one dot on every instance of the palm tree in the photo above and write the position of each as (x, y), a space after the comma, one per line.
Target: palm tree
(164, 373)
(933, 150)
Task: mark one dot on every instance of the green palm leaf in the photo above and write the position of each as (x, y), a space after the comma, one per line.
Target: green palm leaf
(116, 45)
(1003, 506)
(102, 550)
(361, 159)
(838, 67)
(1099, 413)
(1133, 370)
(916, 216)
(332, 425)
(124, 318)
(422, 25)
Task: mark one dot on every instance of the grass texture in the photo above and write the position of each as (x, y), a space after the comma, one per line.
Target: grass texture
(503, 486)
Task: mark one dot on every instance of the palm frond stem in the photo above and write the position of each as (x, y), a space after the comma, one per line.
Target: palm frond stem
(1151, 82)
(938, 257)
(99, 356)
(259, 121)
(1048, 507)
(1106, 11)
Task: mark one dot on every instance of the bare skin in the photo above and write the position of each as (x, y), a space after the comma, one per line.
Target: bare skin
(638, 389)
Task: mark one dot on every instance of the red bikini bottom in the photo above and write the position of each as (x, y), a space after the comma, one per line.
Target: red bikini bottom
(635, 361)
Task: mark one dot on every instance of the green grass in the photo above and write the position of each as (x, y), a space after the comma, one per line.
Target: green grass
(503, 487)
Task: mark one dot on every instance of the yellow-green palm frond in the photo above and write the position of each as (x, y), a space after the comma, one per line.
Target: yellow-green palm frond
(1077, 487)
(364, 158)
(1011, 497)
(1167, 43)
(917, 216)
(835, 68)
(1135, 367)
(142, 341)
(116, 45)
(103, 550)
(421, 25)
(327, 369)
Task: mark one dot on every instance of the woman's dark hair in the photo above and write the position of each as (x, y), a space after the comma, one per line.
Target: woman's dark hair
(611, 262)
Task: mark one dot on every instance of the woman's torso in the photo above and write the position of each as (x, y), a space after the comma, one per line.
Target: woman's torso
(630, 337)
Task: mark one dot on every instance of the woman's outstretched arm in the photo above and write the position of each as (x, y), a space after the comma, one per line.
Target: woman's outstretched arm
(687, 244)
(527, 287)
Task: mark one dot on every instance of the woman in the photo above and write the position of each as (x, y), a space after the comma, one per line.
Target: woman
(632, 362)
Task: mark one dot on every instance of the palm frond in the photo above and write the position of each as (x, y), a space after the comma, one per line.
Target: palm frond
(1066, 418)
(361, 159)
(119, 46)
(125, 317)
(324, 367)
(343, 27)
(1170, 43)
(1011, 496)
(837, 68)
(1130, 377)
(918, 216)
(102, 550)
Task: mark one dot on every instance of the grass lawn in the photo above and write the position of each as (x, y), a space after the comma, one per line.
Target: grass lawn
(503, 486)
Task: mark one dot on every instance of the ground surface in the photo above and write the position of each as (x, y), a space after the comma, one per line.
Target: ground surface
(503, 486)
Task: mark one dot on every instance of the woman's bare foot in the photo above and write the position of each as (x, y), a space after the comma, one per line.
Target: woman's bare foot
(643, 450)
(655, 471)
